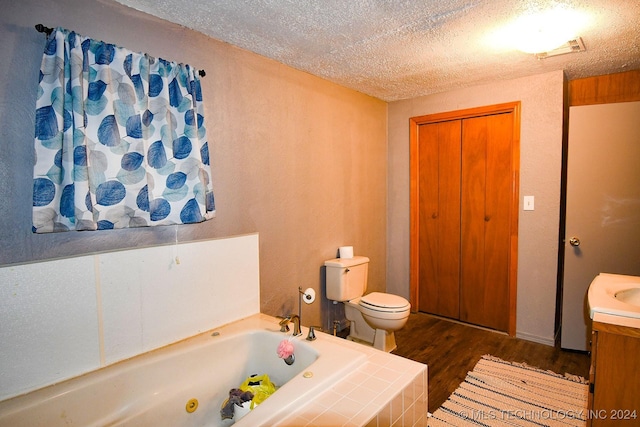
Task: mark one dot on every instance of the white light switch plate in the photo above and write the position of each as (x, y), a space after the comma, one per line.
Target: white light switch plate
(528, 203)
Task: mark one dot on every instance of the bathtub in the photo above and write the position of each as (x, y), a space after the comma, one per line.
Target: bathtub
(157, 388)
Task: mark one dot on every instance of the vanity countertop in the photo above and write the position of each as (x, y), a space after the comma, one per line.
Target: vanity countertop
(613, 298)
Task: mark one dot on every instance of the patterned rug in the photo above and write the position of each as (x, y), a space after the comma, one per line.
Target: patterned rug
(499, 393)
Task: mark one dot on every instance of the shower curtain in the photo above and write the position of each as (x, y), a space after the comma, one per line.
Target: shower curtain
(120, 139)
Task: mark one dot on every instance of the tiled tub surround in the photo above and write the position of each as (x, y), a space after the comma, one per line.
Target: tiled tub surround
(65, 317)
(350, 385)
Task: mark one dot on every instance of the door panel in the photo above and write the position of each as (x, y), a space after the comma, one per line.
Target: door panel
(498, 217)
(486, 217)
(603, 206)
(439, 237)
(474, 167)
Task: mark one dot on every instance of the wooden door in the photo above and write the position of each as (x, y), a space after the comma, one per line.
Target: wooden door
(464, 205)
(485, 220)
(439, 237)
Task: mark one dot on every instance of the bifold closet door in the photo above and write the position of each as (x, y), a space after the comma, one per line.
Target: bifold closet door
(439, 235)
(464, 180)
(486, 179)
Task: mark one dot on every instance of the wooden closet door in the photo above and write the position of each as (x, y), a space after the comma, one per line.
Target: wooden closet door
(464, 180)
(485, 220)
(439, 236)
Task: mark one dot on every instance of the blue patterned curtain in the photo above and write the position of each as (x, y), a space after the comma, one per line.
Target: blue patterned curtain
(119, 140)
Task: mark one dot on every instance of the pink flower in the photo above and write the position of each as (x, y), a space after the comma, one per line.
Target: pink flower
(285, 349)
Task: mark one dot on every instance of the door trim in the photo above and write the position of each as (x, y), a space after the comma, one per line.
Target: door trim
(414, 123)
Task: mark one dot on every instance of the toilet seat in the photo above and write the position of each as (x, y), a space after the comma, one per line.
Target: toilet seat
(383, 302)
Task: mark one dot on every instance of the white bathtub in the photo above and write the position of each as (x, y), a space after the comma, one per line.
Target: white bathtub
(154, 388)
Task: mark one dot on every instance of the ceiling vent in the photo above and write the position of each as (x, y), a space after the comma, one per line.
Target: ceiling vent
(572, 46)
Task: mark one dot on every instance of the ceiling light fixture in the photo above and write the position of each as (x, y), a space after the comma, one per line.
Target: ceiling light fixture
(542, 31)
(572, 46)
(545, 31)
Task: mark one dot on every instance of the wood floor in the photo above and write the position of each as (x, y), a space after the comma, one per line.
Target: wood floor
(451, 349)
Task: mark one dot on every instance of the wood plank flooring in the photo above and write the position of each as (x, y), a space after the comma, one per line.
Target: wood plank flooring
(451, 349)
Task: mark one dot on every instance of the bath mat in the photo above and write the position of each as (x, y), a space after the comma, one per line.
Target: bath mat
(500, 393)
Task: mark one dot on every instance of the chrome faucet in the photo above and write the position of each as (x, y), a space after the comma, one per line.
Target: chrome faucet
(296, 324)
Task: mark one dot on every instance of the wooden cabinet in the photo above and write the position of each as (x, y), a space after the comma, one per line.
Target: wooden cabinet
(614, 377)
(464, 214)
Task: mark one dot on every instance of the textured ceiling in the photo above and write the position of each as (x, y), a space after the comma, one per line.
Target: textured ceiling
(394, 49)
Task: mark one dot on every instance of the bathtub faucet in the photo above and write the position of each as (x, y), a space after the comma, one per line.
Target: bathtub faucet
(296, 324)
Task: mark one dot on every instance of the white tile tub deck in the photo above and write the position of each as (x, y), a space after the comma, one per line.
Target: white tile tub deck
(385, 391)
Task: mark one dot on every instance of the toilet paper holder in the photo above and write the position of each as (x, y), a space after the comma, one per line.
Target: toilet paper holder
(308, 295)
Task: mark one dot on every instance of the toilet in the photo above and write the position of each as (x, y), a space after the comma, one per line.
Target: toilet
(374, 317)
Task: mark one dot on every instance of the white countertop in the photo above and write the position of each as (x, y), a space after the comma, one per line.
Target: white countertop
(605, 307)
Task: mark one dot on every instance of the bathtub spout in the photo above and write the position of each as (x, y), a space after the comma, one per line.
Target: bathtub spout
(284, 324)
(296, 324)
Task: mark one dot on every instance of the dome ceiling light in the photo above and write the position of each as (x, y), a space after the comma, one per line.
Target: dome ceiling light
(545, 33)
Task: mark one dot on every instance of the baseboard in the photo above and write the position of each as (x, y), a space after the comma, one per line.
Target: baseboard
(521, 335)
(536, 338)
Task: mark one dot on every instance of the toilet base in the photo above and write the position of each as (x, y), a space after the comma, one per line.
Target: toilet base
(383, 340)
(360, 331)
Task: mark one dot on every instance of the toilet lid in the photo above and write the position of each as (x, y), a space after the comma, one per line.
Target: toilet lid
(382, 301)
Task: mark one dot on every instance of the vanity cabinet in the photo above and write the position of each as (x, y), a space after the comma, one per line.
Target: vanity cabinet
(614, 377)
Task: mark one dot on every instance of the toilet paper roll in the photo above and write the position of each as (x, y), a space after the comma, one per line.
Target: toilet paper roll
(309, 295)
(346, 251)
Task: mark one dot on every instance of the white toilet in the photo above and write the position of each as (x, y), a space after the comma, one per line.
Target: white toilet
(374, 317)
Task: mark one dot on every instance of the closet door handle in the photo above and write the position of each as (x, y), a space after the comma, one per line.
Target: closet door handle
(574, 241)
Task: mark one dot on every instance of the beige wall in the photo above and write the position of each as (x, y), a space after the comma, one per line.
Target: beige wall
(540, 173)
(297, 159)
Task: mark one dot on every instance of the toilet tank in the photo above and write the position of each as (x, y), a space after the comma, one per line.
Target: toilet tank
(346, 278)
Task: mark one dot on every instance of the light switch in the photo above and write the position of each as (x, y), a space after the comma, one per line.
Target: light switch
(528, 203)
